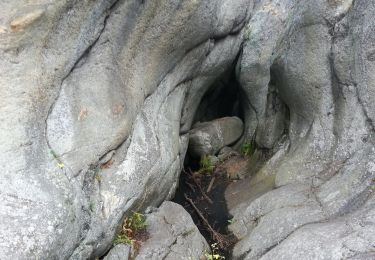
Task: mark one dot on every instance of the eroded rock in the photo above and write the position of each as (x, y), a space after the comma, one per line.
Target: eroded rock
(121, 81)
(325, 127)
(350, 237)
(82, 79)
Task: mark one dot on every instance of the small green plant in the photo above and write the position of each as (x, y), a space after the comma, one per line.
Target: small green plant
(137, 221)
(123, 239)
(231, 221)
(247, 148)
(206, 164)
(215, 253)
(131, 226)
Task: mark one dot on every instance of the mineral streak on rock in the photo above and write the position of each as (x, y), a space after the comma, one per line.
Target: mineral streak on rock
(23, 21)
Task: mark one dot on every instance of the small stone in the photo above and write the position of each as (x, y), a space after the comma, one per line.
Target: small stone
(226, 152)
(213, 159)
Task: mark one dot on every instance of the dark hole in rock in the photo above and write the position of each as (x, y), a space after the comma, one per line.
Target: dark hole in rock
(222, 99)
(201, 191)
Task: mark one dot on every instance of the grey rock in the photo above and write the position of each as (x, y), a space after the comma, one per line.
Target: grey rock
(213, 159)
(172, 235)
(221, 58)
(122, 81)
(119, 252)
(209, 137)
(272, 217)
(327, 124)
(76, 86)
(349, 237)
(226, 152)
(270, 129)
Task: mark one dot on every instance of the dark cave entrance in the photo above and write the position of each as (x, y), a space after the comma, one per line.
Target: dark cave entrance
(201, 193)
(221, 99)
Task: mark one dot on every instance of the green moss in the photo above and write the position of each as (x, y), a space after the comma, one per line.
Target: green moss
(247, 148)
(122, 239)
(206, 165)
(137, 221)
(133, 224)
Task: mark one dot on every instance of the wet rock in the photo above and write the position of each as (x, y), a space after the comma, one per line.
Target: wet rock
(172, 235)
(209, 137)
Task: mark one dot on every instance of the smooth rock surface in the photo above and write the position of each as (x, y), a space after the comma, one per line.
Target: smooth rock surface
(299, 51)
(209, 137)
(173, 235)
(97, 99)
(349, 237)
(91, 103)
(119, 252)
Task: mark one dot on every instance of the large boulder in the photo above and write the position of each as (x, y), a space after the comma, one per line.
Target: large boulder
(172, 235)
(209, 137)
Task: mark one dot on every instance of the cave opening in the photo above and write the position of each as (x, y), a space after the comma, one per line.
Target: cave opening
(204, 180)
(213, 181)
(222, 99)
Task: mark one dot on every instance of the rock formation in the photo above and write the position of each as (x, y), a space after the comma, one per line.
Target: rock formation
(209, 138)
(98, 97)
